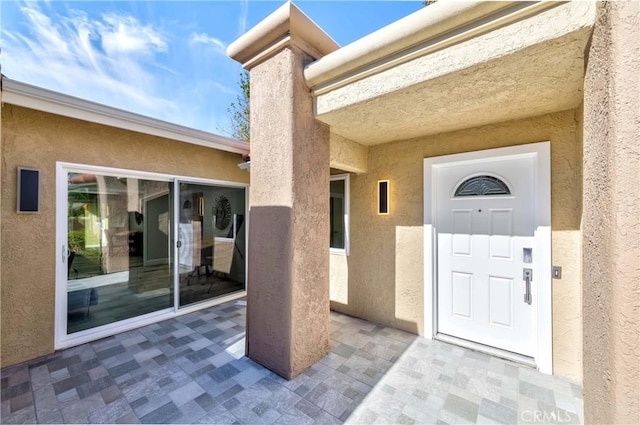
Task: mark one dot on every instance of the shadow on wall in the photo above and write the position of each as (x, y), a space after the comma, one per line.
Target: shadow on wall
(381, 280)
(359, 287)
(288, 287)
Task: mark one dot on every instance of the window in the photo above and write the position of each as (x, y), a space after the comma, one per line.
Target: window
(482, 186)
(339, 214)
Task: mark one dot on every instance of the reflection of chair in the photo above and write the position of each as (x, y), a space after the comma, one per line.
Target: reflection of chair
(222, 255)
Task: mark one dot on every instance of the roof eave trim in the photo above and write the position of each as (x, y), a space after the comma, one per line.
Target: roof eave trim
(28, 96)
(432, 28)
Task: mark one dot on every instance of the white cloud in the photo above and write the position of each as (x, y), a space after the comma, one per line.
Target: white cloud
(242, 19)
(111, 60)
(125, 35)
(202, 38)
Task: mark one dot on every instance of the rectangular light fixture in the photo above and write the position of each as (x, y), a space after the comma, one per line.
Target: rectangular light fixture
(383, 197)
(28, 190)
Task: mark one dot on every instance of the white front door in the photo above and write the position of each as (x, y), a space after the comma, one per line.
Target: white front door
(485, 223)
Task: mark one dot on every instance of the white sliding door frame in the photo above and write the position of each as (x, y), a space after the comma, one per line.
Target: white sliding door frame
(64, 340)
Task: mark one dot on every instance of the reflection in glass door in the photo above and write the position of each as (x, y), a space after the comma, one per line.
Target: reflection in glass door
(119, 256)
(120, 233)
(211, 241)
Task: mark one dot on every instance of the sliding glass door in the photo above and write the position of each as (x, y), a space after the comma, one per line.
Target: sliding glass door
(122, 231)
(211, 242)
(119, 258)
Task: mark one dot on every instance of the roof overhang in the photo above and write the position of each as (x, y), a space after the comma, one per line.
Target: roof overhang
(454, 65)
(37, 98)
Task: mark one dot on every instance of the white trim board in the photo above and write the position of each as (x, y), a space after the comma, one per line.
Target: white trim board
(28, 96)
(542, 179)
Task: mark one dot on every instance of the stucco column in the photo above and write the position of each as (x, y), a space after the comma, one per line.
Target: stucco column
(288, 255)
(611, 217)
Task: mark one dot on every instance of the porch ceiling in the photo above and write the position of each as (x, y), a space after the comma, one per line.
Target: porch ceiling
(529, 67)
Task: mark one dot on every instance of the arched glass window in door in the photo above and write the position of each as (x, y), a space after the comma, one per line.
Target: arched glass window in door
(482, 186)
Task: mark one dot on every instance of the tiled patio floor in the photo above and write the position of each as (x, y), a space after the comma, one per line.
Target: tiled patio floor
(192, 370)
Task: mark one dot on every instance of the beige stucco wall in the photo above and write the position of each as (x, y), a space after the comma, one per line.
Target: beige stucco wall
(611, 219)
(347, 155)
(288, 288)
(383, 277)
(37, 139)
(1, 203)
(464, 83)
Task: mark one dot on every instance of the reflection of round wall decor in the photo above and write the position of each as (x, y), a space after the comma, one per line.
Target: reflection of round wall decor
(223, 212)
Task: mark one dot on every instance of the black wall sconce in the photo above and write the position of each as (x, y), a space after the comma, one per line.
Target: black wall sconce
(28, 191)
(383, 197)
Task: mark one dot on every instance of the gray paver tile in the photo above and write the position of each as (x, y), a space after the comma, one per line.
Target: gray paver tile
(218, 415)
(129, 418)
(294, 417)
(248, 415)
(21, 401)
(153, 403)
(110, 413)
(249, 376)
(190, 412)
(54, 417)
(23, 416)
(497, 412)
(535, 391)
(110, 352)
(16, 390)
(331, 401)
(162, 415)
(186, 393)
(464, 408)
(74, 413)
(111, 394)
(282, 400)
(223, 373)
(227, 394)
(179, 371)
(123, 368)
(231, 404)
(206, 402)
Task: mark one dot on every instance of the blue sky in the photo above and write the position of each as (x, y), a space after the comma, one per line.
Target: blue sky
(164, 59)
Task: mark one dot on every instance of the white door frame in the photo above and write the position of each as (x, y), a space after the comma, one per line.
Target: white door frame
(64, 340)
(542, 270)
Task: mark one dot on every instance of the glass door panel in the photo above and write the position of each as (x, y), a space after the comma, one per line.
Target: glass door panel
(119, 258)
(211, 242)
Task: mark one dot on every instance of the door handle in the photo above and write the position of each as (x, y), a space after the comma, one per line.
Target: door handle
(179, 244)
(527, 275)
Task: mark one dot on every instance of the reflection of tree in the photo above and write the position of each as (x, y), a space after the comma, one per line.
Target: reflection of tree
(82, 210)
(79, 202)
